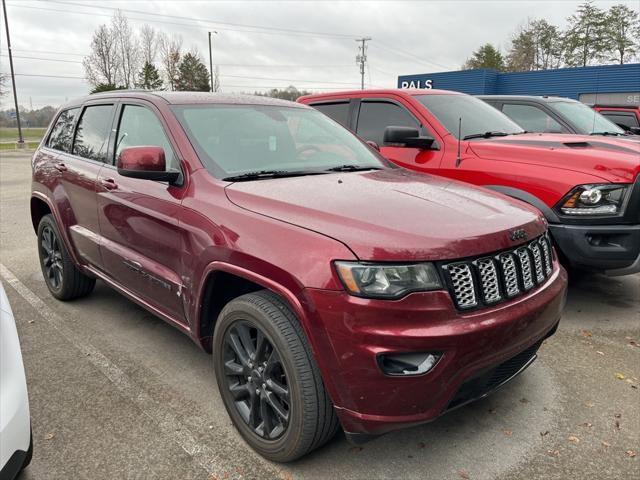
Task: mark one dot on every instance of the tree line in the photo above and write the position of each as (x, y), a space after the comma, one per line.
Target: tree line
(122, 58)
(593, 36)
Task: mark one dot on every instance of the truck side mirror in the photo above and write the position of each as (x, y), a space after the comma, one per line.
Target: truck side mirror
(408, 137)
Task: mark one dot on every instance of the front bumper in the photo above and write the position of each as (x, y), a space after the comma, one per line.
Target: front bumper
(614, 249)
(357, 330)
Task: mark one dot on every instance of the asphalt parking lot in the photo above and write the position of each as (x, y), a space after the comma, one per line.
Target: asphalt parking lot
(117, 393)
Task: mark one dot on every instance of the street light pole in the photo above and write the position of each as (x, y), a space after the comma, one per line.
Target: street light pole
(13, 77)
(210, 59)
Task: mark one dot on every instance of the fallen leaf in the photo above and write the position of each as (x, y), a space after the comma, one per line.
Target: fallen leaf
(587, 424)
(553, 453)
(524, 400)
(620, 376)
(586, 333)
(355, 449)
(633, 343)
(546, 432)
(599, 352)
(634, 386)
(574, 439)
(31, 321)
(421, 444)
(49, 435)
(606, 444)
(589, 404)
(618, 424)
(617, 415)
(507, 432)
(463, 474)
(628, 380)
(630, 453)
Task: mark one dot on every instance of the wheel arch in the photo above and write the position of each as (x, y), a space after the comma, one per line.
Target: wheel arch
(526, 197)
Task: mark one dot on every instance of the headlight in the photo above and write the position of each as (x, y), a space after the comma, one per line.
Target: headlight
(387, 281)
(603, 200)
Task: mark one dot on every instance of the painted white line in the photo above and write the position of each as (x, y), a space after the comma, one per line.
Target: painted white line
(164, 417)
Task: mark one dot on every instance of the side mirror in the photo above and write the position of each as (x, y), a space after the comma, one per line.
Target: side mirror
(634, 130)
(373, 145)
(408, 137)
(147, 163)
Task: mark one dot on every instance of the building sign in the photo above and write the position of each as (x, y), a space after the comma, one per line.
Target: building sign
(622, 99)
(428, 84)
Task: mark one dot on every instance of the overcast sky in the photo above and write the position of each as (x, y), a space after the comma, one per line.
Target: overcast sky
(407, 37)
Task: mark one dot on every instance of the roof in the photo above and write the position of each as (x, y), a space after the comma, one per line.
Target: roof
(189, 98)
(535, 98)
(386, 91)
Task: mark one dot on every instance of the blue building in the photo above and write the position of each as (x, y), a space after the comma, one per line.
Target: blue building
(608, 84)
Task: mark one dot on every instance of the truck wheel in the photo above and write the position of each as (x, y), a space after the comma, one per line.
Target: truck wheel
(268, 378)
(64, 280)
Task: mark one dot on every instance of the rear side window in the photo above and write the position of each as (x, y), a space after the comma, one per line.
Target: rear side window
(375, 117)
(624, 120)
(92, 134)
(62, 132)
(531, 118)
(139, 126)
(336, 111)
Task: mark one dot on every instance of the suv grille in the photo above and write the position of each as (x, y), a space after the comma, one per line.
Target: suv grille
(489, 280)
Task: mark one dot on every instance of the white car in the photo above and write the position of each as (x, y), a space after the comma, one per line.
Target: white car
(15, 423)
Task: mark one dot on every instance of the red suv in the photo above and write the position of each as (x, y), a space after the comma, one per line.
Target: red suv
(587, 187)
(331, 286)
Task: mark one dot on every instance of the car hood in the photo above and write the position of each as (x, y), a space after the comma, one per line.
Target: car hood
(609, 158)
(392, 214)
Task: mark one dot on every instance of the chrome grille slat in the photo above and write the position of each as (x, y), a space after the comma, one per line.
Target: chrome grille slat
(492, 279)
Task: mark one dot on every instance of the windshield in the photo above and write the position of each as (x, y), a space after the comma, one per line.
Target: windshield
(233, 140)
(477, 116)
(584, 119)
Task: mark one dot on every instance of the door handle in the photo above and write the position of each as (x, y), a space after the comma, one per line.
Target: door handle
(108, 183)
(61, 167)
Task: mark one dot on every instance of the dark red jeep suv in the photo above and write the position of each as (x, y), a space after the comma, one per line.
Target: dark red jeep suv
(331, 286)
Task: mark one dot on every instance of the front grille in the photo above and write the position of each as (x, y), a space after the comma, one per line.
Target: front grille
(493, 279)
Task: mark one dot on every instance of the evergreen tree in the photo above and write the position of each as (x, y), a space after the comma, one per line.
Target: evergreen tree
(193, 75)
(487, 56)
(149, 78)
(585, 37)
(622, 31)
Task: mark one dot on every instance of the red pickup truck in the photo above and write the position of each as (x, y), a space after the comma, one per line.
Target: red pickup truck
(626, 117)
(587, 187)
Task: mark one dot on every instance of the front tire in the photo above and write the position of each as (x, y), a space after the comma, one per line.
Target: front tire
(64, 280)
(268, 379)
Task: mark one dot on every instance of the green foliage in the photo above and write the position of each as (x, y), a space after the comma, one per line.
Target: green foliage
(585, 37)
(193, 75)
(149, 78)
(290, 93)
(487, 56)
(622, 30)
(106, 87)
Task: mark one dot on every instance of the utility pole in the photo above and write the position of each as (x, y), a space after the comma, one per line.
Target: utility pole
(210, 59)
(361, 58)
(13, 76)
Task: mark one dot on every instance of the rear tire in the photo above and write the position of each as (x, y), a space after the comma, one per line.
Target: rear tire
(64, 280)
(251, 331)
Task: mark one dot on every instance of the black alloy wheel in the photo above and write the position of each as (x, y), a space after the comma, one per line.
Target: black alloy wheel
(256, 378)
(52, 266)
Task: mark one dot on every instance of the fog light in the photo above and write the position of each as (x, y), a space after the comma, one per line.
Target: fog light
(408, 363)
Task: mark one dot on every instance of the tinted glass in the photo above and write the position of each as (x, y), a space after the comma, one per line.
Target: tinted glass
(62, 132)
(139, 126)
(375, 117)
(477, 116)
(531, 118)
(625, 120)
(234, 139)
(338, 111)
(584, 119)
(92, 135)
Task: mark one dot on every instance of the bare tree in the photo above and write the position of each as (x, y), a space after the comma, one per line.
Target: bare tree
(102, 65)
(216, 79)
(149, 40)
(170, 54)
(3, 83)
(128, 49)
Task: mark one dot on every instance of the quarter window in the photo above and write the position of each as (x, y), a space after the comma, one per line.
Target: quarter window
(375, 117)
(532, 119)
(92, 134)
(623, 120)
(139, 126)
(336, 111)
(62, 133)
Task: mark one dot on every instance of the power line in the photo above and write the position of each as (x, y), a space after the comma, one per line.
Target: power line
(44, 59)
(361, 58)
(415, 58)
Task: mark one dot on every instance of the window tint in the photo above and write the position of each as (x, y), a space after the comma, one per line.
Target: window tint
(531, 118)
(92, 135)
(624, 120)
(376, 116)
(139, 126)
(337, 111)
(62, 132)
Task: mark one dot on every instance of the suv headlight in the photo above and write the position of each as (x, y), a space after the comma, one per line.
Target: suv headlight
(597, 200)
(387, 281)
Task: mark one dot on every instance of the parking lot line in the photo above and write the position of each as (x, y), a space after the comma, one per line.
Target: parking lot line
(164, 417)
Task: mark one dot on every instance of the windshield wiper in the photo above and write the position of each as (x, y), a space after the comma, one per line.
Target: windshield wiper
(486, 135)
(265, 174)
(352, 168)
